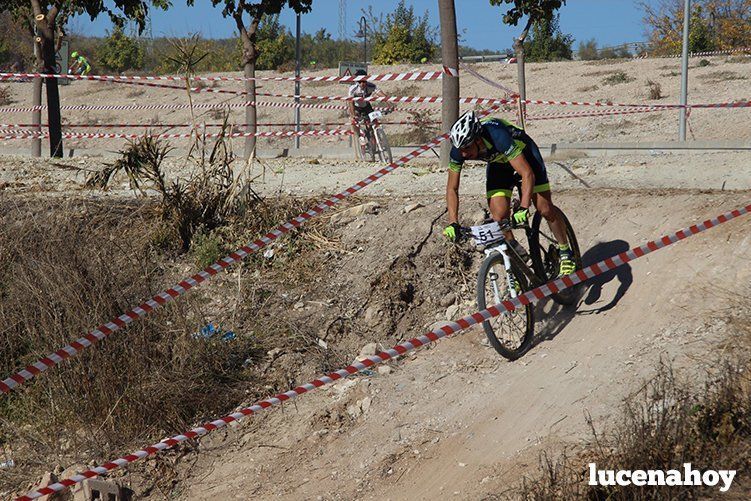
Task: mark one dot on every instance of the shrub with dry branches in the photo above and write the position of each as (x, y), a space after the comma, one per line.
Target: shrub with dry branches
(205, 200)
(5, 96)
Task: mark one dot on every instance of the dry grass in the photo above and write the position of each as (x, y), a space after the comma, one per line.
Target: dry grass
(135, 93)
(210, 195)
(618, 77)
(69, 265)
(721, 76)
(654, 90)
(6, 96)
(419, 133)
(663, 426)
(65, 267)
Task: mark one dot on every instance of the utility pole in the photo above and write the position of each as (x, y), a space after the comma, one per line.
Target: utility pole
(684, 72)
(450, 84)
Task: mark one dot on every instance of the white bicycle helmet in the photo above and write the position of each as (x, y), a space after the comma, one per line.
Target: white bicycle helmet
(465, 130)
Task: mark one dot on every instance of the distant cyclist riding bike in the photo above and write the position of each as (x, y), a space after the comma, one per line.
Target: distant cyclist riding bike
(370, 137)
(80, 65)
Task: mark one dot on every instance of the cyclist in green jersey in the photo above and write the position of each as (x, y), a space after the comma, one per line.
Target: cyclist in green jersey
(80, 64)
(510, 155)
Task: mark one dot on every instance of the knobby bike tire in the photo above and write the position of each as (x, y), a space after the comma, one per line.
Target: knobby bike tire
(547, 269)
(384, 149)
(496, 260)
(372, 144)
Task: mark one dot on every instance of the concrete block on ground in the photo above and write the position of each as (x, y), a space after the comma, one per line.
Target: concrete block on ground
(99, 490)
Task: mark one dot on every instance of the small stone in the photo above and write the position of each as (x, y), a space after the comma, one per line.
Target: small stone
(451, 311)
(354, 411)
(365, 404)
(372, 314)
(385, 370)
(411, 207)
(438, 325)
(368, 350)
(448, 299)
(298, 305)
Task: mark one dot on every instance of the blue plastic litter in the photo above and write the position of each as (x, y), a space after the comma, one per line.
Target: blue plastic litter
(210, 330)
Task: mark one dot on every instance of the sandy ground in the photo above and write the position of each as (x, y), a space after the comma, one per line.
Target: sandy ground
(456, 420)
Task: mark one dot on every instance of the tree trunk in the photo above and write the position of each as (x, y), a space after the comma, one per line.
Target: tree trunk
(450, 84)
(248, 36)
(519, 54)
(46, 28)
(36, 118)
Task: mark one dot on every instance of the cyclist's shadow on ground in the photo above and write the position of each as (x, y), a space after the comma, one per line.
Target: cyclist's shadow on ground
(553, 318)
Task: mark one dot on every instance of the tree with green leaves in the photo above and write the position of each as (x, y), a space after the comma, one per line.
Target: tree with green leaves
(715, 25)
(49, 18)
(535, 10)
(276, 45)
(254, 10)
(403, 37)
(120, 52)
(587, 51)
(547, 43)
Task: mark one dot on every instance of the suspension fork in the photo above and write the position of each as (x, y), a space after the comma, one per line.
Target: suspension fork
(501, 249)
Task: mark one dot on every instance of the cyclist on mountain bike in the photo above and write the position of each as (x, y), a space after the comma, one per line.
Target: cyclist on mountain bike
(510, 154)
(359, 109)
(80, 65)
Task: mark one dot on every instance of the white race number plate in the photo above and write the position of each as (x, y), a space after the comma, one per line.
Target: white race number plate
(487, 233)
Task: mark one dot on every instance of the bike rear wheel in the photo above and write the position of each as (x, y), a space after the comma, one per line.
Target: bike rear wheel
(543, 249)
(511, 333)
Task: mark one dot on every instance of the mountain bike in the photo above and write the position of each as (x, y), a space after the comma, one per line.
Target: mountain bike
(505, 274)
(373, 139)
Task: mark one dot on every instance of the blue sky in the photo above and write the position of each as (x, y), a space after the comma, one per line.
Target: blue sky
(610, 22)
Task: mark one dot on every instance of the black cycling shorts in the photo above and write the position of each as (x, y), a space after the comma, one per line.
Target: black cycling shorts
(500, 178)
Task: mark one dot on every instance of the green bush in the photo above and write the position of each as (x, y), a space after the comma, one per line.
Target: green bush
(120, 52)
(403, 37)
(618, 77)
(206, 248)
(547, 43)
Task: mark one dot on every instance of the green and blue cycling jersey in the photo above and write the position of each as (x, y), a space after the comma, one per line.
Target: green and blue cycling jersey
(504, 142)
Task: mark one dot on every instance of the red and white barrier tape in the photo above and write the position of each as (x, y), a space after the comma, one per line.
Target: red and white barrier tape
(696, 54)
(461, 324)
(604, 113)
(19, 127)
(466, 100)
(219, 106)
(509, 92)
(411, 76)
(115, 135)
(14, 381)
(733, 104)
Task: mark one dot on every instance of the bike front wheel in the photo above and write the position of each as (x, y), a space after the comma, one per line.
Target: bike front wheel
(510, 333)
(543, 248)
(384, 150)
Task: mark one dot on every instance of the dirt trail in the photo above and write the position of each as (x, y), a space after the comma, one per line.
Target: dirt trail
(456, 420)
(453, 420)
